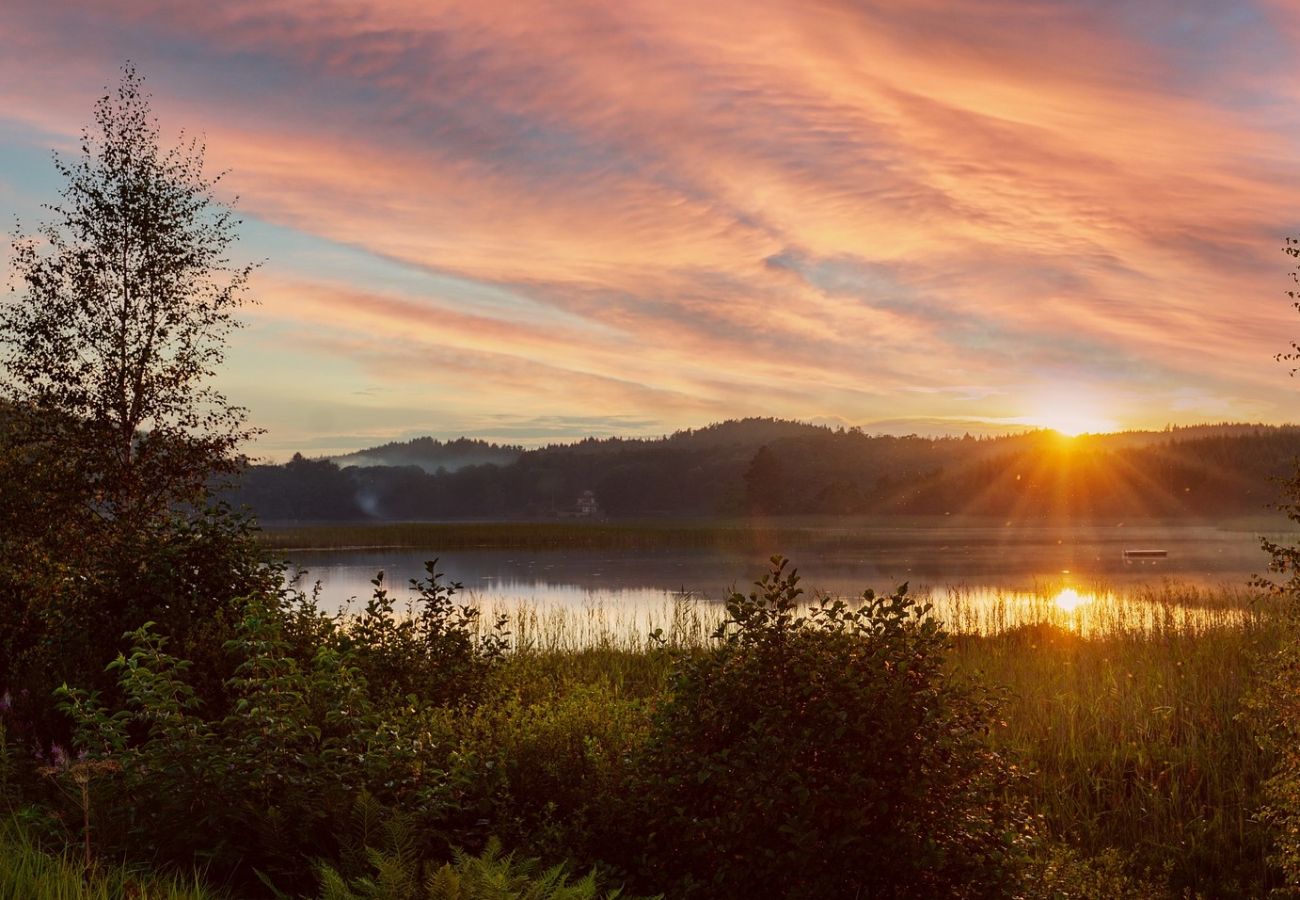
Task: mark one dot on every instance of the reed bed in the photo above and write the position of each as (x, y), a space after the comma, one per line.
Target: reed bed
(1125, 711)
(1134, 739)
(636, 621)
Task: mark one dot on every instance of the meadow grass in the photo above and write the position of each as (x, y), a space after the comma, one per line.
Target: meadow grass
(1135, 741)
(1126, 715)
(28, 872)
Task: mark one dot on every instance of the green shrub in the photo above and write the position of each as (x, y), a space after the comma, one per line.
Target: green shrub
(435, 652)
(1062, 874)
(827, 755)
(261, 779)
(182, 573)
(1274, 711)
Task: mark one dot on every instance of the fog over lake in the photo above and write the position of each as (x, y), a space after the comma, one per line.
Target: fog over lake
(981, 564)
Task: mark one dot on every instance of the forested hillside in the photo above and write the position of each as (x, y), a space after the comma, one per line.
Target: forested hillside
(431, 454)
(776, 467)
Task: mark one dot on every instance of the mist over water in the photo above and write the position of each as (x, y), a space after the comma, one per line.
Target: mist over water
(976, 576)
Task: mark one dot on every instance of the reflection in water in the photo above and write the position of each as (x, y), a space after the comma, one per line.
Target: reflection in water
(1068, 599)
(977, 584)
(1098, 610)
(560, 616)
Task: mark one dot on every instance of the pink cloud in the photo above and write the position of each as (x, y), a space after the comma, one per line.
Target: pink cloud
(956, 194)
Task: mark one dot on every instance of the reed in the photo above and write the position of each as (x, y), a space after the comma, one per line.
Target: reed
(1133, 740)
(1126, 717)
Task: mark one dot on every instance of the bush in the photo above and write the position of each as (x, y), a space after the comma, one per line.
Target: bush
(434, 651)
(182, 573)
(1274, 712)
(1273, 709)
(1062, 874)
(828, 755)
(259, 777)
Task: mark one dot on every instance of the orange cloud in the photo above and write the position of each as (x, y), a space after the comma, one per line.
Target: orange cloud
(853, 210)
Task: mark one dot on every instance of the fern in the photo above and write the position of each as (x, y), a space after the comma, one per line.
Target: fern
(490, 875)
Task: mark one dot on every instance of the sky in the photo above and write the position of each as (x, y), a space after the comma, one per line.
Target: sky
(531, 222)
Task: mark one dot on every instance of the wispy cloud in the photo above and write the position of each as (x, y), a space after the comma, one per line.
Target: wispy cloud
(681, 212)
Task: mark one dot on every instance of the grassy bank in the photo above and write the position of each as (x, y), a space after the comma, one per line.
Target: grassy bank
(29, 873)
(507, 535)
(1135, 743)
(749, 534)
(1127, 729)
(1130, 734)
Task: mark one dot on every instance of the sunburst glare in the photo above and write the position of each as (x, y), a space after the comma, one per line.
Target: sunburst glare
(1070, 411)
(1068, 599)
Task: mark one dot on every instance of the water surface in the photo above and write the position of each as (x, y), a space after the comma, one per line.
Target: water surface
(973, 574)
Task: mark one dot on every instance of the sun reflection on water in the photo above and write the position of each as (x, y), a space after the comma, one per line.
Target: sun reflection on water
(1068, 600)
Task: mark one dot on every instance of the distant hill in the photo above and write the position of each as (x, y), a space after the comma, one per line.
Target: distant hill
(431, 454)
(778, 467)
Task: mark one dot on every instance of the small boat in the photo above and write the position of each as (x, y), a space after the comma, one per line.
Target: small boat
(1144, 555)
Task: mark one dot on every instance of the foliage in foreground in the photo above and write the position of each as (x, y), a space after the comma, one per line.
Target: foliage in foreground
(1275, 705)
(830, 754)
(1134, 743)
(1133, 755)
(399, 872)
(258, 777)
(29, 873)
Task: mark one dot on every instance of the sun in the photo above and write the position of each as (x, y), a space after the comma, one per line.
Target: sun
(1068, 423)
(1070, 412)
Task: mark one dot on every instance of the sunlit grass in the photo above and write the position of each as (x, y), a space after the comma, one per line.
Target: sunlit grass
(1133, 738)
(29, 873)
(685, 620)
(1124, 710)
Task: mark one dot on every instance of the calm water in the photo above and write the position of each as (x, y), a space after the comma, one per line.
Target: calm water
(979, 578)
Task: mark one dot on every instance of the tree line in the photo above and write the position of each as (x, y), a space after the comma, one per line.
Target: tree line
(776, 467)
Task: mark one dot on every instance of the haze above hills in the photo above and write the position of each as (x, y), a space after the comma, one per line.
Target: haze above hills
(776, 467)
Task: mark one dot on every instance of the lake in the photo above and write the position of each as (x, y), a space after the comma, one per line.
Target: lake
(980, 578)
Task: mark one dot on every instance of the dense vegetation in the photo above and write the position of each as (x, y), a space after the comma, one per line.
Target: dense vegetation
(772, 467)
(1121, 764)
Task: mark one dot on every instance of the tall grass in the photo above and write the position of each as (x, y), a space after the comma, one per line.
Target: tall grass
(1125, 711)
(645, 621)
(1133, 741)
(29, 873)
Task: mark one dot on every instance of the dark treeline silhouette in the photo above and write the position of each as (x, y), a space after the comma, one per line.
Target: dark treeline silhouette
(432, 454)
(776, 467)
